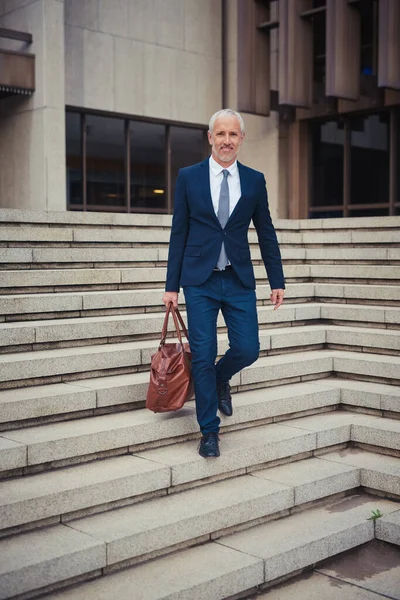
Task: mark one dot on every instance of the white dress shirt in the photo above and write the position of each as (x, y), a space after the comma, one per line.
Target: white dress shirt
(216, 178)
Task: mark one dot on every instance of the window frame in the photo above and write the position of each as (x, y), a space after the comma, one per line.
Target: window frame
(394, 177)
(128, 208)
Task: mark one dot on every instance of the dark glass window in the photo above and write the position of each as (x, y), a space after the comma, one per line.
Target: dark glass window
(397, 160)
(105, 162)
(127, 165)
(327, 161)
(148, 171)
(187, 148)
(74, 158)
(369, 159)
(319, 52)
(369, 24)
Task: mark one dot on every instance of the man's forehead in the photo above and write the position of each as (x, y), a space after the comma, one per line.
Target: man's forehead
(228, 123)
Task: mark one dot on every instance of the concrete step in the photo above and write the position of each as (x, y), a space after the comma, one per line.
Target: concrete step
(57, 279)
(155, 234)
(94, 395)
(99, 392)
(300, 540)
(61, 362)
(21, 304)
(121, 429)
(377, 472)
(218, 570)
(83, 359)
(59, 493)
(364, 583)
(129, 430)
(23, 217)
(157, 257)
(34, 333)
(29, 304)
(139, 324)
(144, 529)
(388, 528)
(264, 444)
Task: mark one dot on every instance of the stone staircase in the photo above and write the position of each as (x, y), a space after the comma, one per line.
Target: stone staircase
(100, 498)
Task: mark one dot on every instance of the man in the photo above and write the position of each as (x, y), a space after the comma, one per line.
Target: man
(209, 256)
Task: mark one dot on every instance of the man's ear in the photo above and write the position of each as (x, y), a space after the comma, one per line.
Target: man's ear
(209, 135)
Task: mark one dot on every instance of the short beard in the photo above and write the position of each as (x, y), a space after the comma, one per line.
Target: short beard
(225, 158)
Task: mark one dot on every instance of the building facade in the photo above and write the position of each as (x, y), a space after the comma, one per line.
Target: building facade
(102, 101)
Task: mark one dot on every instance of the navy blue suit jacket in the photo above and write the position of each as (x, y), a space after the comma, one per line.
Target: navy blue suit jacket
(196, 233)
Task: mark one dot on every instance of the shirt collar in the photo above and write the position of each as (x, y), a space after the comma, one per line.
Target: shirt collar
(216, 168)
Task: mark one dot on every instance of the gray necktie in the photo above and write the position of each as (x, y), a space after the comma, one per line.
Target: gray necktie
(223, 216)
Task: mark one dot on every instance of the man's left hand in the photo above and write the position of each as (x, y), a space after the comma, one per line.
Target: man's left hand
(277, 297)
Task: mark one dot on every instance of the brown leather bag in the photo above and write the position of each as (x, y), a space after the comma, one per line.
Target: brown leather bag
(171, 382)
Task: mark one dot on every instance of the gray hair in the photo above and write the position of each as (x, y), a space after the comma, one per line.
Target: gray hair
(226, 112)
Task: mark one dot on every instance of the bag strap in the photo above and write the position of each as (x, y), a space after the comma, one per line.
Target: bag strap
(178, 322)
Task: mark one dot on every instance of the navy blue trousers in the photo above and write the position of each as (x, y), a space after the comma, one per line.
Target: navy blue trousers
(222, 291)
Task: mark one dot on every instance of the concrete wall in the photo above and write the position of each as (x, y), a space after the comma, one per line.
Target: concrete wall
(156, 58)
(262, 145)
(32, 130)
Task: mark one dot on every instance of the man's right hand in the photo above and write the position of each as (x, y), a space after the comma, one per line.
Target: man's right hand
(171, 297)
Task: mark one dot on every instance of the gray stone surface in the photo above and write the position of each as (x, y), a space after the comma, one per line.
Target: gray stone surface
(377, 432)
(208, 571)
(62, 491)
(374, 567)
(94, 255)
(118, 389)
(278, 367)
(308, 537)
(15, 255)
(13, 454)
(39, 278)
(36, 559)
(317, 586)
(280, 400)
(31, 233)
(90, 218)
(39, 303)
(313, 478)
(347, 254)
(355, 272)
(364, 337)
(387, 528)
(392, 315)
(377, 471)
(43, 363)
(12, 334)
(331, 428)
(95, 434)
(162, 522)
(239, 449)
(353, 312)
(39, 401)
(367, 364)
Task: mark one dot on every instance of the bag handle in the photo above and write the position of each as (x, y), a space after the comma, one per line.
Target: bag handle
(178, 322)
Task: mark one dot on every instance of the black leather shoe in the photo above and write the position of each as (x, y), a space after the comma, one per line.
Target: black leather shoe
(209, 447)
(224, 398)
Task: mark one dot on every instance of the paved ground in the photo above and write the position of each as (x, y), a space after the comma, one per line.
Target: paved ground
(371, 572)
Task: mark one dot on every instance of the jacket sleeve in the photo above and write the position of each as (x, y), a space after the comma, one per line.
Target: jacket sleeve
(267, 239)
(179, 233)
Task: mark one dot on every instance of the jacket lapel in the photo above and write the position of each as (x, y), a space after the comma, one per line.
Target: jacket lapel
(244, 186)
(206, 190)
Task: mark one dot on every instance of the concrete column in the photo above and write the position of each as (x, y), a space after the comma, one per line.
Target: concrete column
(261, 147)
(32, 130)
